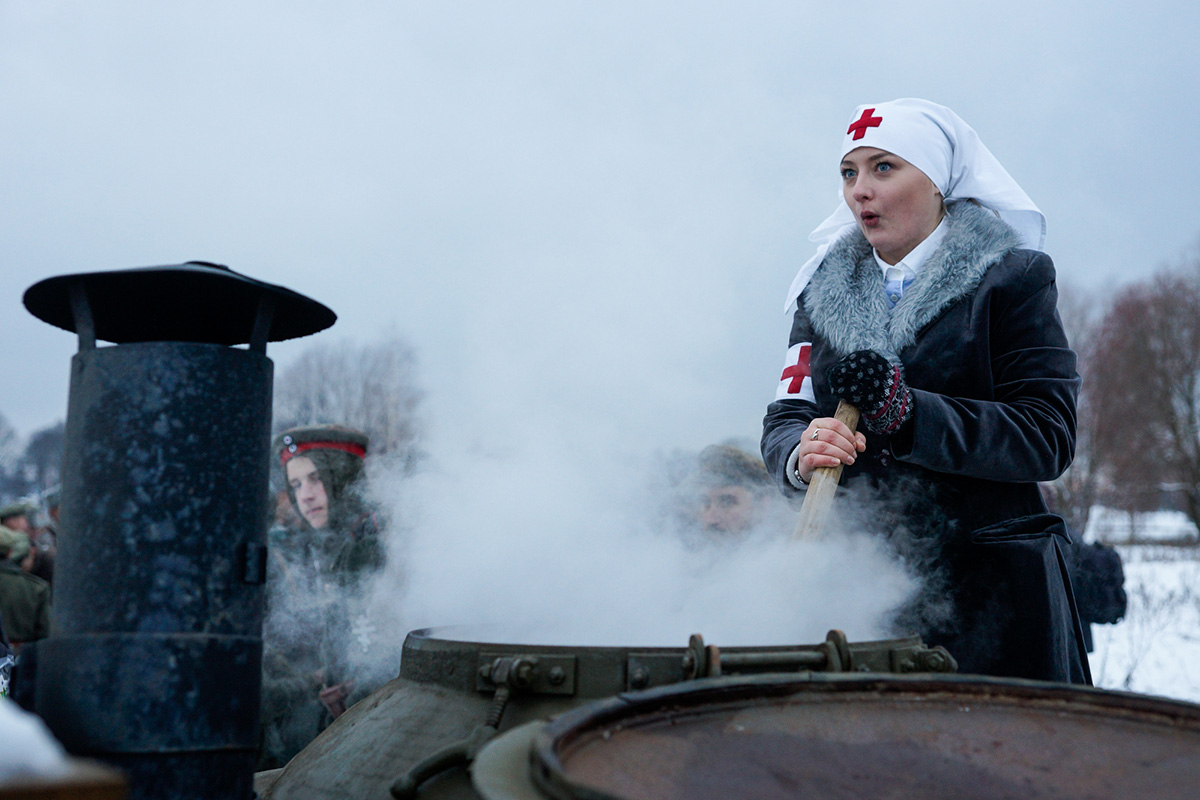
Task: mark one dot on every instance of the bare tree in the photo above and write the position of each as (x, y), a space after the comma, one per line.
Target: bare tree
(372, 387)
(10, 446)
(43, 456)
(12, 482)
(1147, 393)
(1074, 493)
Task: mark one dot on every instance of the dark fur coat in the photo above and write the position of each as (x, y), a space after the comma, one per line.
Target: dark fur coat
(994, 387)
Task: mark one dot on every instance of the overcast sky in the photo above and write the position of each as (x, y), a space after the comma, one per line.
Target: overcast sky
(582, 215)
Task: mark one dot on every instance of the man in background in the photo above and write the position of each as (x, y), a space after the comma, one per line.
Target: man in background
(15, 517)
(24, 598)
(728, 495)
(1098, 582)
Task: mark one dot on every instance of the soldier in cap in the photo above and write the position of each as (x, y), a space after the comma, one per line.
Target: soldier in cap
(726, 495)
(735, 487)
(15, 517)
(314, 628)
(321, 465)
(24, 598)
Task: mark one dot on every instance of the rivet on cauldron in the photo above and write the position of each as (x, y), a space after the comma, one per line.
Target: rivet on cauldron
(640, 678)
(557, 676)
(933, 661)
(292, 448)
(287, 439)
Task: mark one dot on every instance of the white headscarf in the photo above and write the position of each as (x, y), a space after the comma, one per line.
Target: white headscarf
(936, 141)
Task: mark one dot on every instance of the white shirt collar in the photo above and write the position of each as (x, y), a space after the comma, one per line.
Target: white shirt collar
(911, 264)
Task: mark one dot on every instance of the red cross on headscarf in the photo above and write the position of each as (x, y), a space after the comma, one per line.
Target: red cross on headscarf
(860, 125)
(798, 371)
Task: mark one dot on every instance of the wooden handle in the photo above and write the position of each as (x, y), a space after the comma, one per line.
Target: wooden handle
(814, 511)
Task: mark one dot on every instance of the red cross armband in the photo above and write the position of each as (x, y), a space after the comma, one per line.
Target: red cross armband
(796, 381)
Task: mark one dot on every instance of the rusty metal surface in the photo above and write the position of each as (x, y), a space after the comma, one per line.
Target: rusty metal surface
(857, 736)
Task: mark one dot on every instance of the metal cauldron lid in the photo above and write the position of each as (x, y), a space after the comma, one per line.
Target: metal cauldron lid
(444, 657)
(870, 736)
(193, 302)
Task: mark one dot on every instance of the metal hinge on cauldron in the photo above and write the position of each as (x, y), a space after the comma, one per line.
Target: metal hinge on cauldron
(543, 674)
(835, 654)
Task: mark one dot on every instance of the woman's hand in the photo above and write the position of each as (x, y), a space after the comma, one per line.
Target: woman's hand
(827, 442)
(876, 386)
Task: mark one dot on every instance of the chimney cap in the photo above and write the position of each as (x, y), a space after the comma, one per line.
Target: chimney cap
(193, 302)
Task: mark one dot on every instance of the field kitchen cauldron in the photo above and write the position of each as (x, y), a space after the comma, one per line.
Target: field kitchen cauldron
(832, 720)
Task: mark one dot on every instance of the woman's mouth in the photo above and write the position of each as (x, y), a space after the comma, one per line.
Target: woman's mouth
(869, 219)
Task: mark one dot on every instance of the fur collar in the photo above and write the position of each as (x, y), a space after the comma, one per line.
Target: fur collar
(845, 301)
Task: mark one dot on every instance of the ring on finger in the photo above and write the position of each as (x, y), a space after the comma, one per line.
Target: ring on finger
(816, 434)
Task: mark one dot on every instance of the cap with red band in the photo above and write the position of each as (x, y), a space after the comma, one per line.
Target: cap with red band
(296, 441)
(296, 448)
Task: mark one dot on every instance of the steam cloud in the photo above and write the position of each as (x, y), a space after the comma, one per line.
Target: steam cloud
(542, 544)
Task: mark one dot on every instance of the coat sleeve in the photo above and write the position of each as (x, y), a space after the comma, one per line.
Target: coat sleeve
(791, 412)
(1025, 430)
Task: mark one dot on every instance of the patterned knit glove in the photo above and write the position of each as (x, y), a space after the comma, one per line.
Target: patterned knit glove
(874, 384)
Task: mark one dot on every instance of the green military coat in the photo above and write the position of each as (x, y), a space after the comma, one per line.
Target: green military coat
(24, 604)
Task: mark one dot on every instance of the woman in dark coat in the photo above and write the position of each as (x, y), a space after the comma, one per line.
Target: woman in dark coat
(930, 307)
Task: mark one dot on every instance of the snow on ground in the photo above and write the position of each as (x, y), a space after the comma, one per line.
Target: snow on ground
(1112, 525)
(1155, 649)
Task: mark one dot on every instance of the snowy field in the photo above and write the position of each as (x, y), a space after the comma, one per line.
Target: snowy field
(1155, 649)
(1112, 526)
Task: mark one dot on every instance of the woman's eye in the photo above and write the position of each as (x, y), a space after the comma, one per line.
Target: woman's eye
(883, 166)
(847, 174)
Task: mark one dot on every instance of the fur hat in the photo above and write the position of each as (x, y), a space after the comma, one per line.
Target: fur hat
(726, 465)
